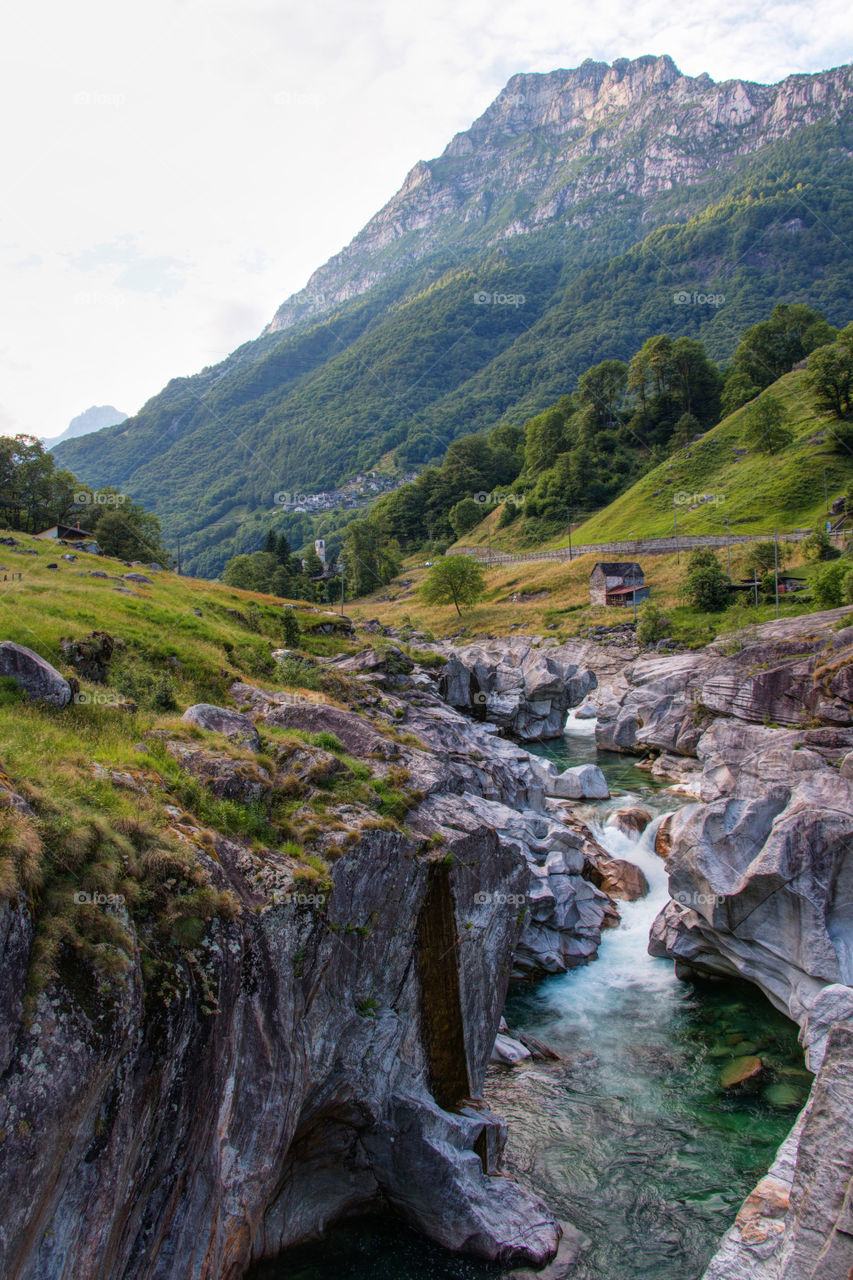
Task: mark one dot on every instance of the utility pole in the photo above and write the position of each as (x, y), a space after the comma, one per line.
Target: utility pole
(342, 567)
(179, 555)
(755, 585)
(489, 535)
(728, 548)
(776, 568)
(569, 514)
(675, 519)
(826, 491)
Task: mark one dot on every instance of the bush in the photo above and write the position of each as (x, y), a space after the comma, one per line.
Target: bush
(706, 585)
(289, 628)
(652, 624)
(830, 585)
(761, 557)
(819, 547)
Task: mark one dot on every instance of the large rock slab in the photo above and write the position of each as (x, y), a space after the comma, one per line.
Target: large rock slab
(231, 724)
(38, 679)
(523, 688)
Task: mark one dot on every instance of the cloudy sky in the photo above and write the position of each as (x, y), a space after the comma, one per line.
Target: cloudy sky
(173, 170)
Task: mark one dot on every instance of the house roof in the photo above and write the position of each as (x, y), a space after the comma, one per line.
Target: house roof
(618, 568)
(623, 591)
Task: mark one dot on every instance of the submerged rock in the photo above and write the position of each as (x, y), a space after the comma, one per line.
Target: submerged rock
(739, 1070)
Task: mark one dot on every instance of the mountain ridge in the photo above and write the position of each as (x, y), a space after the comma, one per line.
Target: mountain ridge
(622, 84)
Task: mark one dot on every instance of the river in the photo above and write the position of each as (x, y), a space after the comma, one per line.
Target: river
(630, 1136)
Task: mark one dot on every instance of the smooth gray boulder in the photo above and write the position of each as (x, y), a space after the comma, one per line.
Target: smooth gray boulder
(231, 724)
(580, 782)
(38, 679)
(509, 1052)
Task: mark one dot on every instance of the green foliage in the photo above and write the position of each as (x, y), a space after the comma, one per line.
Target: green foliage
(372, 558)
(819, 546)
(463, 515)
(764, 425)
(762, 556)
(652, 624)
(289, 628)
(829, 585)
(830, 376)
(455, 580)
(772, 347)
(706, 585)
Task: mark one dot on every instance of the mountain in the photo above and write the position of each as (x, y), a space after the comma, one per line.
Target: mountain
(584, 211)
(93, 419)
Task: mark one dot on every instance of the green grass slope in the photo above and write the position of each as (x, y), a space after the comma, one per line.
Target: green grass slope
(755, 491)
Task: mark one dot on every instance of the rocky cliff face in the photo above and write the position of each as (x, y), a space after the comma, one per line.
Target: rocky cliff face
(322, 1051)
(558, 149)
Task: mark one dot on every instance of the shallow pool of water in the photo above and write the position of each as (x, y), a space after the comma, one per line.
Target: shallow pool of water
(630, 1136)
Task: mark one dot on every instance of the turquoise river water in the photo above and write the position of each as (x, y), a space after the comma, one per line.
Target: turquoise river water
(630, 1136)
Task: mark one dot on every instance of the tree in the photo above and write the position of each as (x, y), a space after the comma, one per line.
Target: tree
(763, 425)
(290, 628)
(738, 389)
(129, 532)
(464, 515)
(455, 580)
(761, 557)
(772, 347)
(829, 585)
(371, 559)
(706, 585)
(830, 377)
(819, 546)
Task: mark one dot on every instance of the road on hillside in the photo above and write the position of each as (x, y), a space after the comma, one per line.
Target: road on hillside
(633, 547)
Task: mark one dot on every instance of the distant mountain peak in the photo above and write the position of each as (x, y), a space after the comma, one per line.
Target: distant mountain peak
(95, 418)
(561, 148)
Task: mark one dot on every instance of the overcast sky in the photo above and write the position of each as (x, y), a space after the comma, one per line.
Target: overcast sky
(173, 171)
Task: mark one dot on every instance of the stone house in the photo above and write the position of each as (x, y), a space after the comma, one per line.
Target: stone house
(617, 582)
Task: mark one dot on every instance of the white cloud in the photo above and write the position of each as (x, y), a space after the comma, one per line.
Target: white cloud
(175, 171)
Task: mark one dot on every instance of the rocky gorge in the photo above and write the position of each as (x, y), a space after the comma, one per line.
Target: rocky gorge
(324, 1052)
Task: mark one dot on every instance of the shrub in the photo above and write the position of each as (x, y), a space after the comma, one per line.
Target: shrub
(289, 628)
(706, 585)
(830, 585)
(819, 547)
(652, 625)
